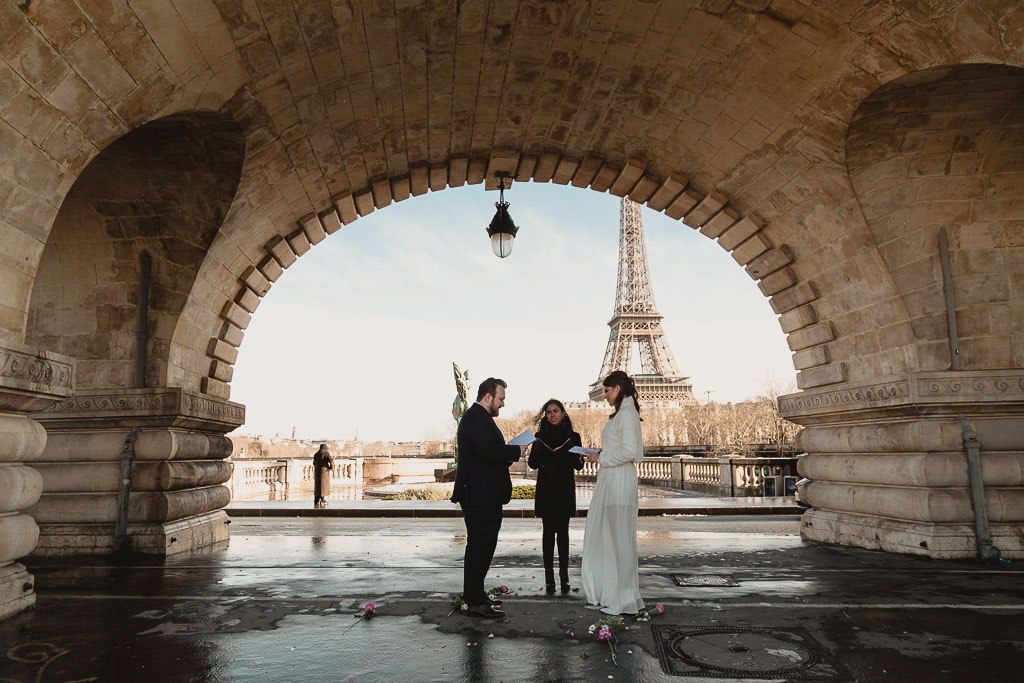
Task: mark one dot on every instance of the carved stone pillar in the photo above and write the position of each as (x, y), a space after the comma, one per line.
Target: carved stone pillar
(29, 380)
(888, 465)
(175, 495)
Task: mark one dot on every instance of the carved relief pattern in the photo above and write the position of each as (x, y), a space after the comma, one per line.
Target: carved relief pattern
(16, 366)
(152, 404)
(117, 403)
(846, 397)
(210, 408)
(1008, 386)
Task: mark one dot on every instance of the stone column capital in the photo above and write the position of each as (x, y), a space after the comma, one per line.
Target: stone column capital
(937, 393)
(31, 379)
(148, 407)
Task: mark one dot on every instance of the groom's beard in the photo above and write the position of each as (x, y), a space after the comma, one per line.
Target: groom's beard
(493, 411)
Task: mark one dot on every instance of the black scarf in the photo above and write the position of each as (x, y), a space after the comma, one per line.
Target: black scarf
(554, 436)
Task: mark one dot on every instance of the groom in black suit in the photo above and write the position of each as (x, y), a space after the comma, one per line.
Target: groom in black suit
(482, 487)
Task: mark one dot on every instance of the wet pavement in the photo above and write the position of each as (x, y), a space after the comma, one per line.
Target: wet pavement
(745, 599)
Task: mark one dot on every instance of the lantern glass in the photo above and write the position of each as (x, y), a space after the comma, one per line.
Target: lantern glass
(501, 244)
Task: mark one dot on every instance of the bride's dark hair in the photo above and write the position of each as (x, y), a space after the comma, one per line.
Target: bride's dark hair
(626, 388)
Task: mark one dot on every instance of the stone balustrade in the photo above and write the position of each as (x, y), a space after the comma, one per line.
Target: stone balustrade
(253, 477)
(726, 476)
(701, 472)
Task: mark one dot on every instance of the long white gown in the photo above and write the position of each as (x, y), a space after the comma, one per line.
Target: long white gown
(610, 577)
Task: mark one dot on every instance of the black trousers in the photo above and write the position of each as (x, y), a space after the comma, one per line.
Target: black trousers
(483, 522)
(556, 527)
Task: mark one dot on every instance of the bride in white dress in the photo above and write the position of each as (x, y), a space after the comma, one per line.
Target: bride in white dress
(610, 564)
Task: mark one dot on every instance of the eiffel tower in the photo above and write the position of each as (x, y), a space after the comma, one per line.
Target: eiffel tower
(636, 321)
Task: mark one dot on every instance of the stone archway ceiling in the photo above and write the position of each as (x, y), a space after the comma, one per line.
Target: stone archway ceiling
(718, 113)
(164, 188)
(944, 148)
(739, 106)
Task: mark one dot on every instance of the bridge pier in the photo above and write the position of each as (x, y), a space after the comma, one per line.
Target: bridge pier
(889, 469)
(174, 444)
(29, 380)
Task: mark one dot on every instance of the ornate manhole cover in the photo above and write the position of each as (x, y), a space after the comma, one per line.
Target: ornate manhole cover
(703, 580)
(744, 652)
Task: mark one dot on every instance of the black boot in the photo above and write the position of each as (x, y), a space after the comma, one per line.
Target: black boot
(549, 580)
(563, 556)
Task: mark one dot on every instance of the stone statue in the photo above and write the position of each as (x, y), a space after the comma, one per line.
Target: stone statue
(462, 384)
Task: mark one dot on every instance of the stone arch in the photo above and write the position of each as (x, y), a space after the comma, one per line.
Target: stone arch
(163, 188)
(708, 212)
(944, 147)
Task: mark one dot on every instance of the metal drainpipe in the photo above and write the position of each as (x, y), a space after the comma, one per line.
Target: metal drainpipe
(128, 451)
(985, 548)
(123, 489)
(947, 289)
(142, 326)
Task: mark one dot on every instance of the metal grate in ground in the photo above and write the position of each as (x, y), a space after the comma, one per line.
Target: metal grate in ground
(744, 652)
(704, 580)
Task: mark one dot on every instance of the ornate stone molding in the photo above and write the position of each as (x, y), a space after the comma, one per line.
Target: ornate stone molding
(972, 391)
(156, 407)
(838, 398)
(1003, 385)
(32, 379)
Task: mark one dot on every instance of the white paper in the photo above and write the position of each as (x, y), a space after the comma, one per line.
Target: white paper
(584, 451)
(524, 439)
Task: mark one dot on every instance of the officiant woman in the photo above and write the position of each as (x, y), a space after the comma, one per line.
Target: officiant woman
(555, 500)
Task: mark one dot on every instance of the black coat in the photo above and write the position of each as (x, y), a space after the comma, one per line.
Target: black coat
(556, 480)
(482, 476)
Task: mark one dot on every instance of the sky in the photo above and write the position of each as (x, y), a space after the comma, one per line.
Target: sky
(358, 336)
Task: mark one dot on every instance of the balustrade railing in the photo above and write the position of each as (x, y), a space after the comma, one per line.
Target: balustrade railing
(703, 472)
(344, 472)
(262, 476)
(727, 475)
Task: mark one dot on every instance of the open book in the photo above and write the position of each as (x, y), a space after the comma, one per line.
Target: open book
(524, 439)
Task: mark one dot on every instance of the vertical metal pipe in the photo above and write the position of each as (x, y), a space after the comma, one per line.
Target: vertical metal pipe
(947, 288)
(142, 326)
(124, 488)
(985, 548)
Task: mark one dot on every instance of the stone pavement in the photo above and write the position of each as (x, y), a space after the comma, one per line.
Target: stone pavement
(278, 604)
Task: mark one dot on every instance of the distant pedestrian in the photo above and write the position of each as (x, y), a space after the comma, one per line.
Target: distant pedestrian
(555, 501)
(323, 463)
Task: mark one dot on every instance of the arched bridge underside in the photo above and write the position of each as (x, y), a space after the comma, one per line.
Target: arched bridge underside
(184, 153)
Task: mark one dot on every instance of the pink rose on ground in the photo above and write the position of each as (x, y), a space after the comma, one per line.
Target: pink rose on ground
(660, 609)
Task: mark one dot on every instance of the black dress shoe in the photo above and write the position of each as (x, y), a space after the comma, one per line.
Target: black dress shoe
(550, 589)
(484, 612)
(566, 587)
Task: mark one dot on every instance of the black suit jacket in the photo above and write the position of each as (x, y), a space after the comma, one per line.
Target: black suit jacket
(484, 458)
